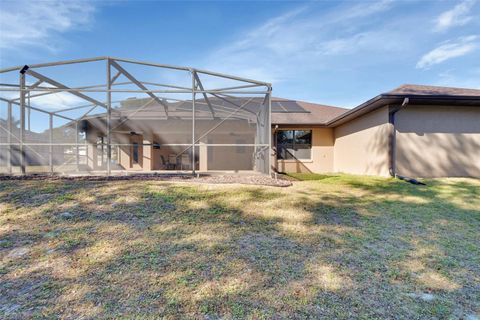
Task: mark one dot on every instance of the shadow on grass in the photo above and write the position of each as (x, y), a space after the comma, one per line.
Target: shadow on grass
(186, 251)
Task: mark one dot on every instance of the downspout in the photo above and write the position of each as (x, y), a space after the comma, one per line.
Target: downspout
(275, 150)
(392, 143)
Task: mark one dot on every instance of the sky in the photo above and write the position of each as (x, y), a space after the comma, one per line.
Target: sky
(338, 53)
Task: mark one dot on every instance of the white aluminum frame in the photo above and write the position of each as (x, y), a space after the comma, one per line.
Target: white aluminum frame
(254, 88)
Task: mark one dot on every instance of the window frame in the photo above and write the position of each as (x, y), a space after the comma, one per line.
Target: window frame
(310, 159)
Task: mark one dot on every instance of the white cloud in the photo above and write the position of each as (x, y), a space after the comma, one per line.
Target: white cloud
(449, 50)
(50, 102)
(457, 16)
(57, 101)
(39, 23)
(298, 40)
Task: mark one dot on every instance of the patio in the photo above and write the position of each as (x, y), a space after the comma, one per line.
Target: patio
(56, 118)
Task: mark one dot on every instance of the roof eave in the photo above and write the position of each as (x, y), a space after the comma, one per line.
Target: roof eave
(384, 99)
(290, 124)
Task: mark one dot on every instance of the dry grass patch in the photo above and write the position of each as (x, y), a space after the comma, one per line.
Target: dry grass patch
(332, 247)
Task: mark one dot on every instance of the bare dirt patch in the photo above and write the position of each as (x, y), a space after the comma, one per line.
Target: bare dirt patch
(261, 180)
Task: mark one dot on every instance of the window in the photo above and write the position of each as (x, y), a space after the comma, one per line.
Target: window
(135, 152)
(294, 144)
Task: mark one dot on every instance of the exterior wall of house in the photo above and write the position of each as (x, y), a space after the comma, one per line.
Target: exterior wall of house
(438, 141)
(361, 145)
(431, 141)
(126, 152)
(230, 157)
(322, 154)
(92, 151)
(148, 132)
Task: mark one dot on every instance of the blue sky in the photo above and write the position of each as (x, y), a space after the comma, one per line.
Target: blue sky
(338, 53)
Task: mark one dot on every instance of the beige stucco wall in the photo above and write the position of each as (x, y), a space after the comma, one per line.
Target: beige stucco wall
(232, 158)
(438, 141)
(322, 154)
(431, 142)
(361, 145)
(125, 152)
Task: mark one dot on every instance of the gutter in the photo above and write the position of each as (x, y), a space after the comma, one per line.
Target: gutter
(385, 99)
(392, 137)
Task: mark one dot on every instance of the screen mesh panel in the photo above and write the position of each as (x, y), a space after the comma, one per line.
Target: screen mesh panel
(112, 116)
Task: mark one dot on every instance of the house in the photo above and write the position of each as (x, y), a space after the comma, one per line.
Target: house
(208, 121)
(413, 130)
(143, 138)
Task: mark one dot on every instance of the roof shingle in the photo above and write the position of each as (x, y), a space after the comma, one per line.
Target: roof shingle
(415, 89)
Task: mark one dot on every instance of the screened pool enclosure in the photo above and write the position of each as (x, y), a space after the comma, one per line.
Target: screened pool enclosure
(107, 116)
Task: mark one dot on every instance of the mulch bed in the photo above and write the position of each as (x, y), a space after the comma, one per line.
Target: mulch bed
(261, 180)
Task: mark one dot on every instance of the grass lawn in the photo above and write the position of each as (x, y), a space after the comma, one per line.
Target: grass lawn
(334, 247)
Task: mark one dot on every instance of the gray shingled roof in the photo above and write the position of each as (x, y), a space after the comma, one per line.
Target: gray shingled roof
(331, 116)
(417, 94)
(293, 112)
(415, 89)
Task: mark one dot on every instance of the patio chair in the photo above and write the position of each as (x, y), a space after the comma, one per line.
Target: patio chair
(172, 161)
(164, 164)
(185, 161)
